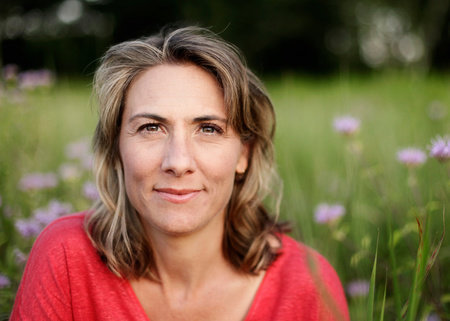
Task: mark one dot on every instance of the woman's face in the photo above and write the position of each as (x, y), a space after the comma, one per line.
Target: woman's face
(179, 157)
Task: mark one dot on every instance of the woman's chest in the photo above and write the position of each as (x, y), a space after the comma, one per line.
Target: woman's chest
(227, 302)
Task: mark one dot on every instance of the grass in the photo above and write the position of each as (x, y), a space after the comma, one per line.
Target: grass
(383, 199)
(318, 166)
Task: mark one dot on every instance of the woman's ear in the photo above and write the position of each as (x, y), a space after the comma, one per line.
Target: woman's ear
(242, 163)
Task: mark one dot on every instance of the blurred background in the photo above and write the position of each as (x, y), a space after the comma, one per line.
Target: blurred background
(312, 36)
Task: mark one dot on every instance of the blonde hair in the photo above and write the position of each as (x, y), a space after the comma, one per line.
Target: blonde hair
(114, 226)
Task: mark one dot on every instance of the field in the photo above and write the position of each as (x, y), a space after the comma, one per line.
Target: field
(379, 216)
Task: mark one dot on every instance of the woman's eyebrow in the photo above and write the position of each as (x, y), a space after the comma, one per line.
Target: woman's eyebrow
(149, 116)
(208, 118)
(163, 119)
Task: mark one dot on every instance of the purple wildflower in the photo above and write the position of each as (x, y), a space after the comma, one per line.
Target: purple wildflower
(358, 288)
(346, 125)
(32, 79)
(10, 72)
(42, 217)
(440, 148)
(90, 191)
(19, 256)
(411, 157)
(59, 208)
(87, 162)
(36, 181)
(326, 213)
(54, 210)
(433, 317)
(69, 172)
(4, 281)
(29, 227)
(78, 149)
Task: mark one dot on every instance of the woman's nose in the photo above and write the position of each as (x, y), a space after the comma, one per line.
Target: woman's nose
(178, 157)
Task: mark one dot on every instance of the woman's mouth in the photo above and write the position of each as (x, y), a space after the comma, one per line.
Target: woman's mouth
(177, 196)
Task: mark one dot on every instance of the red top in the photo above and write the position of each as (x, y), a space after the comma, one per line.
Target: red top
(65, 280)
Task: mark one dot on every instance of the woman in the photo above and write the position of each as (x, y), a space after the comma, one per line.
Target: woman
(184, 160)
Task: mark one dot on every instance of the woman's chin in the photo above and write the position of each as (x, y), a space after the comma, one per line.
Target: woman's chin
(176, 227)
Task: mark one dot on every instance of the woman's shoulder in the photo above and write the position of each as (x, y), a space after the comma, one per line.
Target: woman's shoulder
(299, 259)
(293, 250)
(64, 232)
(299, 285)
(303, 272)
(63, 257)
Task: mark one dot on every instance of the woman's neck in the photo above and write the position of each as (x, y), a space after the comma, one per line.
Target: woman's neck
(186, 263)
(196, 281)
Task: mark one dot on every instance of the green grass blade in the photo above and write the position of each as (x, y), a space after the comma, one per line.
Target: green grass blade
(384, 300)
(371, 297)
(413, 297)
(420, 269)
(393, 261)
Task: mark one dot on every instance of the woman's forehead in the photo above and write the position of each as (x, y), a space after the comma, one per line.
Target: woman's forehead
(175, 89)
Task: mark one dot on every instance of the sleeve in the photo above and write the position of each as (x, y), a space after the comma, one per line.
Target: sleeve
(44, 292)
(332, 302)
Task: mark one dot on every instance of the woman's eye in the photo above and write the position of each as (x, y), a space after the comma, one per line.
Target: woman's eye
(211, 129)
(150, 127)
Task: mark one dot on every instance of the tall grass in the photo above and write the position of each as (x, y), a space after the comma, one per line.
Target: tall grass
(383, 199)
(380, 194)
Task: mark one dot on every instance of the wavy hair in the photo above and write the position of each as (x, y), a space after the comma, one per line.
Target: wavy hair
(114, 226)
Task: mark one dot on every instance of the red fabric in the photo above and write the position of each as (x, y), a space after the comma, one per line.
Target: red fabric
(299, 286)
(65, 280)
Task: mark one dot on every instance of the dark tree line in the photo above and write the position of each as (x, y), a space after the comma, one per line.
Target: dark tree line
(317, 36)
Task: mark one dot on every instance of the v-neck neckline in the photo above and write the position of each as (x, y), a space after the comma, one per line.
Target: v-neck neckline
(251, 311)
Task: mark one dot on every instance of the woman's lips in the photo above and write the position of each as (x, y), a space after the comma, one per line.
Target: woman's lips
(177, 196)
